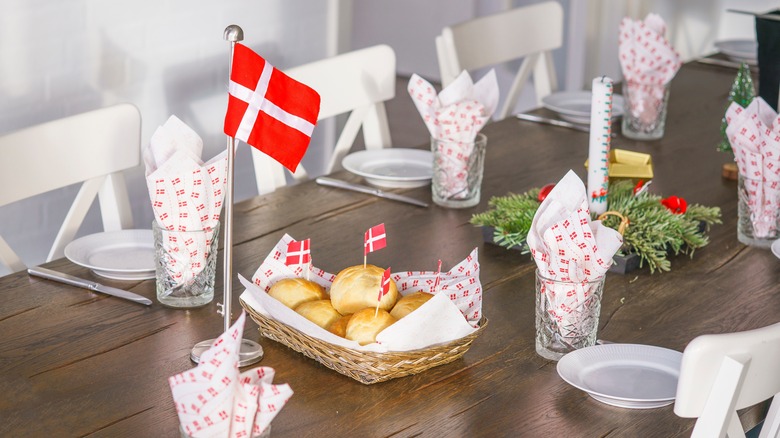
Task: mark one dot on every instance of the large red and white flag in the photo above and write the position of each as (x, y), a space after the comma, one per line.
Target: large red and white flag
(384, 286)
(268, 109)
(374, 239)
(298, 253)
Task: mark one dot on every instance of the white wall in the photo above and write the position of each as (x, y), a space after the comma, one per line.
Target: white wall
(166, 57)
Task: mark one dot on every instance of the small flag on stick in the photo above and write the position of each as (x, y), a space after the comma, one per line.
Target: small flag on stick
(374, 239)
(437, 280)
(384, 287)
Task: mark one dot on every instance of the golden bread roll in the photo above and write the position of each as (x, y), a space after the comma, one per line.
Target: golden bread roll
(339, 326)
(320, 312)
(364, 326)
(292, 292)
(409, 304)
(356, 288)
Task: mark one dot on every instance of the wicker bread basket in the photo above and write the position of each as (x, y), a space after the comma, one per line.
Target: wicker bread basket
(363, 366)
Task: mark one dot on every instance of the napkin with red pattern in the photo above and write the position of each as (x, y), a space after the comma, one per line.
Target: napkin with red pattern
(649, 62)
(569, 247)
(754, 134)
(454, 117)
(215, 400)
(186, 195)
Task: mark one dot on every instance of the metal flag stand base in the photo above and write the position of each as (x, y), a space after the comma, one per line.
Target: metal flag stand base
(251, 352)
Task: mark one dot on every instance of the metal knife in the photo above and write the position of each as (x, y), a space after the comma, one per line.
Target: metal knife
(553, 122)
(331, 182)
(91, 285)
(722, 63)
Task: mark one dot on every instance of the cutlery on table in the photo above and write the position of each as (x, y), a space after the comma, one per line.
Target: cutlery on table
(721, 62)
(553, 122)
(331, 182)
(87, 284)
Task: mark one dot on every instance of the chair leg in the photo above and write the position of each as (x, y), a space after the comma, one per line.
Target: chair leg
(771, 427)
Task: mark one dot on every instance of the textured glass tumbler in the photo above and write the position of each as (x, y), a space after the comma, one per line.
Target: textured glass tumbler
(185, 266)
(567, 315)
(755, 226)
(266, 433)
(457, 171)
(645, 112)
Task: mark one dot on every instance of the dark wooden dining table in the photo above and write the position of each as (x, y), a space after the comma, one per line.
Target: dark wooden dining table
(76, 363)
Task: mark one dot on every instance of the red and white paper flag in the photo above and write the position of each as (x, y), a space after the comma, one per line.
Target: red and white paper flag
(298, 253)
(436, 282)
(384, 285)
(754, 134)
(268, 109)
(648, 61)
(454, 117)
(374, 239)
(214, 399)
(568, 247)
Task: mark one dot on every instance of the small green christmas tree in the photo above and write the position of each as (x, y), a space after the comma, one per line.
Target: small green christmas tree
(742, 92)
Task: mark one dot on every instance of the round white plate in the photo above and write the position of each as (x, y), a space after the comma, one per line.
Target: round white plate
(392, 167)
(776, 248)
(739, 50)
(624, 375)
(119, 255)
(574, 106)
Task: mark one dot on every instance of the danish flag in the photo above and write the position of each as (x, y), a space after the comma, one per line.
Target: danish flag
(438, 279)
(298, 253)
(269, 110)
(384, 286)
(374, 239)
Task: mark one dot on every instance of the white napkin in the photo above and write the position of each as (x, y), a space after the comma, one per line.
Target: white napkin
(215, 400)
(455, 117)
(649, 62)
(452, 313)
(754, 134)
(568, 246)
(186, 194)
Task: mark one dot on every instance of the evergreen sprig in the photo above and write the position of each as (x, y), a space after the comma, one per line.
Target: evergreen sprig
(653, 233)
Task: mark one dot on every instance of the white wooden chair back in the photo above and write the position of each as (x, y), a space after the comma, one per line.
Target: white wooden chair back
(529, 32)
(723, 373)
(360, 82)
(92, 148)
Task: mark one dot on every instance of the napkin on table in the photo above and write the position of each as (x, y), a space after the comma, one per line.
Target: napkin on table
(454, 117)
(186, 194)
(649, 62)
(754, 134)
(568, 246)
(215, 400)
(452, 313)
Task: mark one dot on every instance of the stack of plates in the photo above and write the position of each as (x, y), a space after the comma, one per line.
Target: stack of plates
(739, 50)
(574, 106)
(392, 167)
(118, 255)
(624, 375)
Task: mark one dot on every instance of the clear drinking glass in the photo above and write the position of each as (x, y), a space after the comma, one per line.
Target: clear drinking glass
(567, 315)
(755, 226)
(185, 266)
(457, 171)
(645, 113)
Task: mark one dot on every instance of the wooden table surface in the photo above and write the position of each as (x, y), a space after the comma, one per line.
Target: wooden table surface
(74, 363)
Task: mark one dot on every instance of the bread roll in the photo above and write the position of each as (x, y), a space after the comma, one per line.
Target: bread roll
(292, 292)
(364, 326)
(339, 326)
(409, 303)
(356, 288)
(320, 312)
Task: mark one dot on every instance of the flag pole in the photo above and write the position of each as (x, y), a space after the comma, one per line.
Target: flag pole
(251, 352)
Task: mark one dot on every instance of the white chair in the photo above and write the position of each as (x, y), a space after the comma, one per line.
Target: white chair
(725, 372)
(92, 148)
(529, 32)
(360, 82)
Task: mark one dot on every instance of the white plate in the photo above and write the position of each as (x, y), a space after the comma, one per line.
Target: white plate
(392, 167)
(624, 375)
(776, 248)
(739, 50)
(119, 255)
(574, 106)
